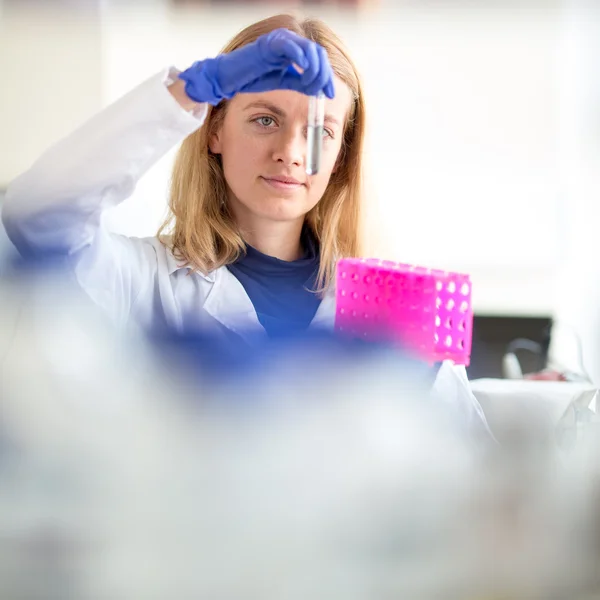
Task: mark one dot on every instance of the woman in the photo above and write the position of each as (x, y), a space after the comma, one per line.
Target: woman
(254, 239)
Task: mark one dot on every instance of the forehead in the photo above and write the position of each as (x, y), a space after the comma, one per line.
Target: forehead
(294, 104)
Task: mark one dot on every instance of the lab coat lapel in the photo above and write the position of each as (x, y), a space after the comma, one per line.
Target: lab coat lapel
(324, 318)
(229, 304)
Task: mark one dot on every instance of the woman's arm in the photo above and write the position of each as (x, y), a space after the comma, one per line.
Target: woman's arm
(57, 204)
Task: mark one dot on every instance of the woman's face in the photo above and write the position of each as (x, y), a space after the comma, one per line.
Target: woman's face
(262, 143)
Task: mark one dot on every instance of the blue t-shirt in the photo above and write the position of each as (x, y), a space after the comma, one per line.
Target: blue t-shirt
(280, 291)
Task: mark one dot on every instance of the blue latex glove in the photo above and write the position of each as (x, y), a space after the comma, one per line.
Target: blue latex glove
(262, 66)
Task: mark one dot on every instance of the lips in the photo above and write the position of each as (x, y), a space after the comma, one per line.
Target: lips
(283, 183)
(283, 179)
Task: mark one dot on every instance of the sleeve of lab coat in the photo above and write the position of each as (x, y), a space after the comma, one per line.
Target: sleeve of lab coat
(452, 391)
(56, 206)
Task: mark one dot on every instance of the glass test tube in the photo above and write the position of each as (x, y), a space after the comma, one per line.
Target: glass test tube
(314, 134)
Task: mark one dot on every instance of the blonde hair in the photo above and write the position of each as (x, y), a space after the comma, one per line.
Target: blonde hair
(204, 234)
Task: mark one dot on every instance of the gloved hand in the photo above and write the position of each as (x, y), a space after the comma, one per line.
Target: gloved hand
(262, 66)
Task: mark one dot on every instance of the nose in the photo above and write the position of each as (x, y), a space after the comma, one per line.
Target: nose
(290, 147)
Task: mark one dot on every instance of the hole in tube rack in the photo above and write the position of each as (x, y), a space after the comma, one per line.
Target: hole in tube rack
(436, 338)
(354, 295)
(438, 286)
(464, 289)
(438, 321)
(464, 306)
(448, 341)
(450, 304)
(452, 287)
(344, 275)
(449, 323)
(461, 344)
(366, 297)
(343, 292)
(367, 279)
(438, 302)
(355, 277)
(342, 311)
(462, 325)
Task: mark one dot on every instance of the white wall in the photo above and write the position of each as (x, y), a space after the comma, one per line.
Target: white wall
(577, 293)
(51, 79)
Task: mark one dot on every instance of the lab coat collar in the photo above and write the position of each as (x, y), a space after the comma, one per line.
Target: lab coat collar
(174, 265)
(230, 305)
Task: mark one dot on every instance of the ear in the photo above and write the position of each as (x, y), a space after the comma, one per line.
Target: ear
(214, 142)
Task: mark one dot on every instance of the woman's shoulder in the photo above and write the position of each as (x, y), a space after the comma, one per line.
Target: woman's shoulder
(156, 250)
(149, 253)
(160, 250)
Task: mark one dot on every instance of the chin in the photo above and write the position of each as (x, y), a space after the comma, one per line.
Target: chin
(282, 209)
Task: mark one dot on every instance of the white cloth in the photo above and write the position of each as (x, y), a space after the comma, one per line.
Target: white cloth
(58, 204)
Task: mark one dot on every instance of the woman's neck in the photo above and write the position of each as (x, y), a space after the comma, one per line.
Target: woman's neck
(280, 240)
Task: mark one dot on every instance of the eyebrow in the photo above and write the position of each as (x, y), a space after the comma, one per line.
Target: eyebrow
(281, 113)
(271, 107)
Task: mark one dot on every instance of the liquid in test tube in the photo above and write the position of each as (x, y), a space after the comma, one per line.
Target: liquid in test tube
(314, 134)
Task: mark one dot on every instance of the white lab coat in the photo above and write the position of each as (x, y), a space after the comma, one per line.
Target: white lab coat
(60, 201)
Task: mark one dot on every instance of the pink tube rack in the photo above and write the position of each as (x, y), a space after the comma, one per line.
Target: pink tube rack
(427, 311)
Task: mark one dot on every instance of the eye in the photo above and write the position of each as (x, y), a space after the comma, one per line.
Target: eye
(327, 133)
(265, 121)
